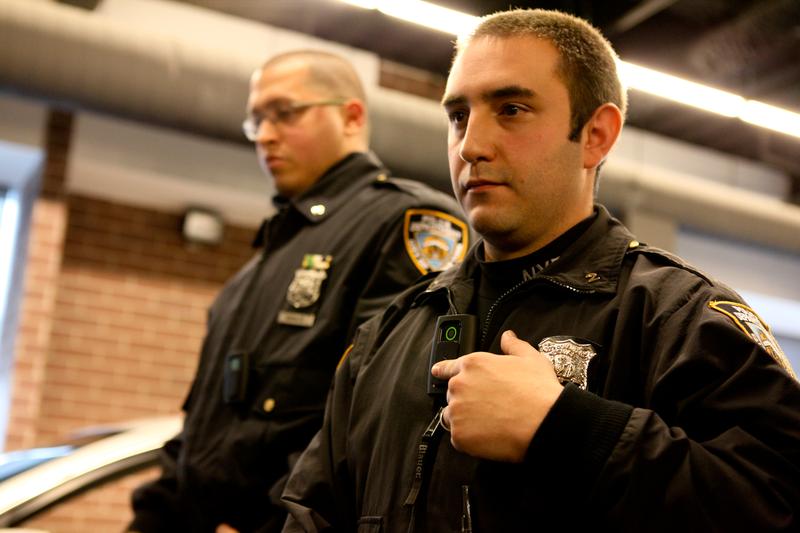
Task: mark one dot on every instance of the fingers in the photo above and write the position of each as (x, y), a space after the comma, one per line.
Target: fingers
(446, 369)
(513, 345)
(509, 343)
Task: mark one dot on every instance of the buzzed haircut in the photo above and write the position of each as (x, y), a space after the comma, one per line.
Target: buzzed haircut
(329, 72)
(587, 62)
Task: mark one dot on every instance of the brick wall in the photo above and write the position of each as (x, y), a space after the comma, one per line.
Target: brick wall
(32, 344)
(129, 314)
(121, 337)
(112, 317)
(45, 249)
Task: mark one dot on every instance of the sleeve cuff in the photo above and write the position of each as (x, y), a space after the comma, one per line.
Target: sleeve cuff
(576, 438)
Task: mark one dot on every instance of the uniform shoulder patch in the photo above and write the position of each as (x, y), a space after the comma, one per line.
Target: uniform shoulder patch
(751, 324)
(434, 240)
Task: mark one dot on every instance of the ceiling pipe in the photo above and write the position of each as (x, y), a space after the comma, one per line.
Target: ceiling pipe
(713, 207)
(81, 59)
(67, 55)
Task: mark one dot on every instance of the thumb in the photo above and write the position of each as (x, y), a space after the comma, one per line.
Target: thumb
(513, 345)
(446, 369)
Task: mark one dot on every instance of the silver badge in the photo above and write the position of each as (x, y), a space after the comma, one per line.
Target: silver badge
(569, 357)
(304, 290)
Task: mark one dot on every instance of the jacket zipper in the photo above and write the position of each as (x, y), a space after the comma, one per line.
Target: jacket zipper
(490, 313)
(569, 287)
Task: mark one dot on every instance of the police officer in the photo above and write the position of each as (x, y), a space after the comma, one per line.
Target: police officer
(634, 393)
(346, 239)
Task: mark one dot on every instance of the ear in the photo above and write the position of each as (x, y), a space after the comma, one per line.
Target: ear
(355, 116)
(600, 133)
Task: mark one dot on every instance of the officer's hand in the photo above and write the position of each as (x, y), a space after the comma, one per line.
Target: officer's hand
(495, 403)
(225, 528)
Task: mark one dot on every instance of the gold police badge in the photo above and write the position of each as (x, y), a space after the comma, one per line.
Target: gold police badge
(569, 357)
(305, 290)
(434, 240)
(749, 322)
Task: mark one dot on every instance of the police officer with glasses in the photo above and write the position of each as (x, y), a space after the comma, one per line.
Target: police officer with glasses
(347, 237)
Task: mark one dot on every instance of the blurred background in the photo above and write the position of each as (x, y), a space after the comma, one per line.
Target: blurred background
(128, 193)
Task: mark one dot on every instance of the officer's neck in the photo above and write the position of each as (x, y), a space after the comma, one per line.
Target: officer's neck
(503, 248)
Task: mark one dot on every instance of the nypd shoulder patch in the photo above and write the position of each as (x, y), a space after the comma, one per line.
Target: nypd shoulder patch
(434, 240)
(751, 324)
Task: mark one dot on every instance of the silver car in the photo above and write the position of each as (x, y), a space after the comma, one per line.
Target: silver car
(34, 479)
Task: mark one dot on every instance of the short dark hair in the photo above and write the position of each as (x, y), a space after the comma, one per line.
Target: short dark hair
(587, 64)
(331, 73)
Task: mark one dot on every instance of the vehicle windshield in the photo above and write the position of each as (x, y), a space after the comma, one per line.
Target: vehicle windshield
(13, 463)
(18, 461)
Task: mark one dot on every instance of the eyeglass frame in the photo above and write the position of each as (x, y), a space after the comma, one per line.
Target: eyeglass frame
(281, 115)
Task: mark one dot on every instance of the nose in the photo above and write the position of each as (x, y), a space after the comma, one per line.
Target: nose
(266, 133)
(476, 142)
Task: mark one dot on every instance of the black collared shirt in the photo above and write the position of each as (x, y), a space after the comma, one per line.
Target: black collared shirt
(497, 277)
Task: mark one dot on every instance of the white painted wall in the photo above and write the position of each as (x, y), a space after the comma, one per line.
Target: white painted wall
(163, 169)
(22, 121)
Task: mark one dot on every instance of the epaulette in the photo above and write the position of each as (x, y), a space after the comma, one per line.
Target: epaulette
(669, 259)
(415, 188)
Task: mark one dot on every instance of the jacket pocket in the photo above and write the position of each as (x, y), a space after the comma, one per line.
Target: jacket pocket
(370, 524)
(290, 391)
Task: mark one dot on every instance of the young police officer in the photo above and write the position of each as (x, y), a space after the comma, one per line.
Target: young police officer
(345, 240)
(631, 392)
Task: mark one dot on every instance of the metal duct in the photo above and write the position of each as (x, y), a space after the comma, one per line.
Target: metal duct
(75, 57)
(79, 59)
(713, 207)
(65, 54)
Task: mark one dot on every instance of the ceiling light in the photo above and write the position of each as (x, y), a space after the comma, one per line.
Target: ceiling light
(422, 13)
(709, 99)
(633, 76)
(771, 117)
(680, 90)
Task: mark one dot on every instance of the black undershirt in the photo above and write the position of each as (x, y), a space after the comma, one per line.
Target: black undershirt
(497, 277)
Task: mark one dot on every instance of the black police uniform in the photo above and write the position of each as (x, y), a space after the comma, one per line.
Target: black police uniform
(331, 258)
(689, 420)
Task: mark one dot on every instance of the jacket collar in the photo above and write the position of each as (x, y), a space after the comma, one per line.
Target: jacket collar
(335, 187)
(591, 264)
(594, 261)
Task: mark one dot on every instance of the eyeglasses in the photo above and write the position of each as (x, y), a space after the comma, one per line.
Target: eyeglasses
(282, 112)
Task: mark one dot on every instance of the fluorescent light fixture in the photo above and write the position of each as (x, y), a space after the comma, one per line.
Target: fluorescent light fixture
(680, 90)
(771, 117)
(366, 4)
(422, 13)
(709, 99)
(633, 76)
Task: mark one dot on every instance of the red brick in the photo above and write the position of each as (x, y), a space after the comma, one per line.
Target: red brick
(112, 318)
